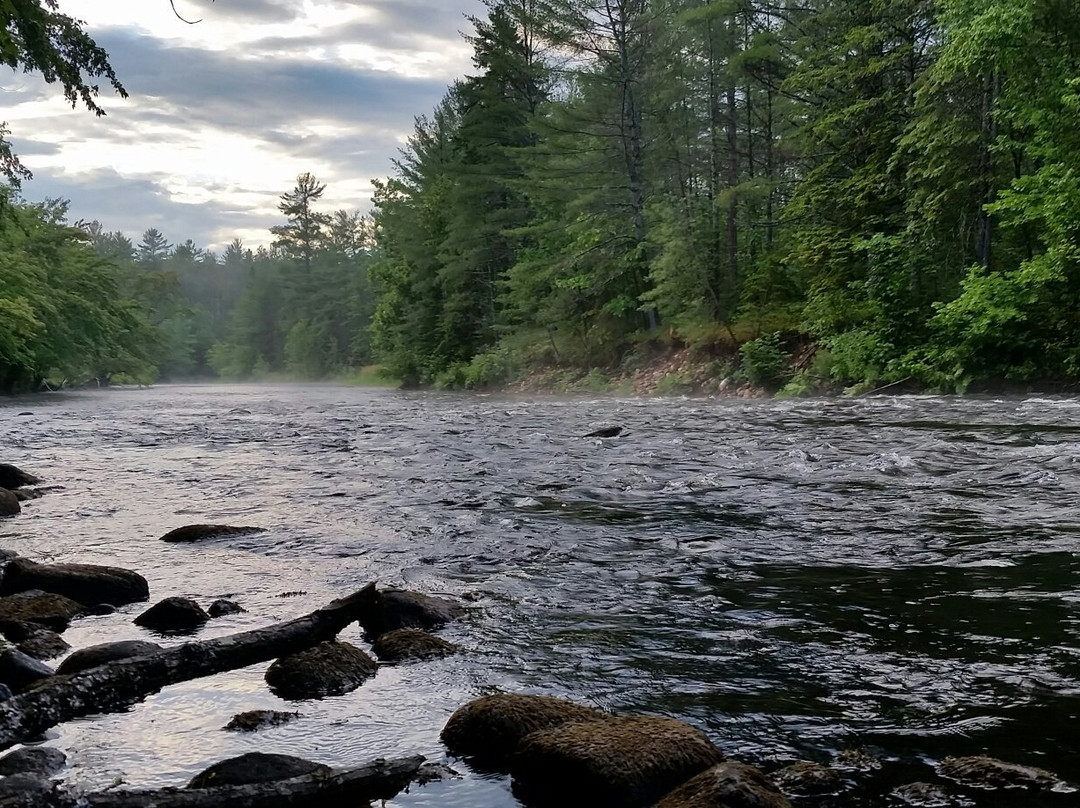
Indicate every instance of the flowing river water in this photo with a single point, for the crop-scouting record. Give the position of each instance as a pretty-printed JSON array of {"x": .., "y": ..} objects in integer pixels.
[{"x": 897, "y": 576}]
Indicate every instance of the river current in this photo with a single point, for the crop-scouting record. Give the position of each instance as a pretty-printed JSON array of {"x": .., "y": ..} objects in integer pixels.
[{"x": 898, "y": 576}]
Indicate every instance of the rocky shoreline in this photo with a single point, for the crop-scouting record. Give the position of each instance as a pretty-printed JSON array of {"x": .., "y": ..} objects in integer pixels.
[{"x": 557, "y": 752}]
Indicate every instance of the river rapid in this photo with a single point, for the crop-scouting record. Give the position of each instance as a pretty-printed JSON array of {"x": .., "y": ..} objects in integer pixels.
[{"x": 898, "y": 576}]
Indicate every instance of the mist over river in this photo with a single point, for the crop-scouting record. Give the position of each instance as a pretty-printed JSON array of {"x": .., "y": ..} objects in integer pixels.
[{"x": 899, "y": 576}]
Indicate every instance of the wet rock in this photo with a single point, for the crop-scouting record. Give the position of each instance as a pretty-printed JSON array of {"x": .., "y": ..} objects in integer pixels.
[
  {"x": 392, "y": 609},
  {"x": 43, "y": 761},
  {"x": 605, "y": 432},
  {"x": 33, "y": 639},
  {"x": 24, "y": 789},
  {"x": 85, "y": 583},
  {"x": 491, "y": 727},
  {"x": 255, "y": 767},
  {"x": 254, "y": 720},
  {"x": 18, "y": 670},
  {"x": 989, "y": 773},
  {"x": 94, "y": 655},
  {"x": 727, "y": 785},
  {"x": 9, "y": 503},
  {"x": 99, "y": 609},
  {"x": 173, "y": 615},
  {"x": 49, "y": 609},
  {"x": 432, "y": 772},
  {"x": 406, "y": 644},
  {"x": 5, "y": 693},
  {"x": 617, "y": 762},
  {"x": 923, "y": 795},
  {"x": 856, "y": 760},
  {"x": 193, "y": 533},
  {"x": 12, "y": 477},
  {"x": 223, "y": 607},
  {"x": 329, "y": 669},
  {"x": 27, "y": 494},
  {"x": 806, "y": 779}
]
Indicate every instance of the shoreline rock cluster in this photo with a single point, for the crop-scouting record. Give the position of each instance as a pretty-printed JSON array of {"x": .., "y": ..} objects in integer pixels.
[{"x": 559, "y": 754}]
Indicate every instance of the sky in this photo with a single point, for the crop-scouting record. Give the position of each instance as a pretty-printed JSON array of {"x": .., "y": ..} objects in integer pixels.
[{"x": 225, "y": 114}]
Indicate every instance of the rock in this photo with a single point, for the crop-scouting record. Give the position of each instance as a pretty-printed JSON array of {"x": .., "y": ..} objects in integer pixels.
[
  {"x": 94, "y": 655},
  {"x": 21, "y": 788},
  {"x": 727, "y": 785},
  {"x": 255, "y": 720},
  {"x": 178, "y": 615},
  {"x": 410, "y": 643},
  {"x": 99, "y": 609},
  {"x": 50, "y": 610},
  {"x": 923, "y": 795},
  {"x": 606, "y": 432},
  {"x": 9, "y": 503},
  {"x": 85, "y": 583},
  {"x": 5, "y": 693},
  {"x": 27, "y": 494},
  {"x": 617, "y": 762},
  {"x": 392, "y": 609},
  {"x": 806, "y": 779},
  {"x": 987, "y": 772},
  {"x": 193, "y": 533},
  {"x": 491, "y": 727},
  {"x": 33, "y": 639},
  {"x": 329, "y": 669},
  {"x": 12, "y": 477},
  {"x": 435, "y": 773},
  {"x": 222, "y": 607},
  {"x": 255, "y": 767},
  {"x": 40, "y": 760},
  {"x": 18, "y": 670}
]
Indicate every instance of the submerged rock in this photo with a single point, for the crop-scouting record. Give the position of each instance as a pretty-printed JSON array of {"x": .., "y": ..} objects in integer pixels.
[
  {"x": 254, "y": 720},
  {"x": 331, "y": 668},
  {"x": 193, "y": 533},
  {"x": 406, "y": 644},
  {"x": 173, "y": 615},
  {"x": 255, "y": 767},
  {"x": 391, "y": 609},
  {"x": 85, "y": 583},
  {"x": 491, "y": 727},
  {"x": 605, "y": 432},
  {"x": 923, "y": 795},
  {"x": 12, "y": 477},
  {"x": 9, "y": 503},
  {"x": 806, "y": 779},
  {"x": 617, "y": 762},
  {"x": 40, "y": 760},
  {"x": 50, "y": 610},
  {"x": 18, "y": 670},
  {"x": 34, "y": 639},
  {"x": 223, "y": 607},
  {"x": 986, "y": 772},
  {"x": 727, "y": 785},
  {"x": 94, "y": 655},
  {"x": 28, "y": 494}
]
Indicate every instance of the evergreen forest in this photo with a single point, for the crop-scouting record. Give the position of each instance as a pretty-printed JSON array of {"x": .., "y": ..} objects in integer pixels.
[{"x": 817, "y": 193}]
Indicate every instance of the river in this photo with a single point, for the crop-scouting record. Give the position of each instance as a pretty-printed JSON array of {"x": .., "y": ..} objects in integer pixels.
[{"x": 899, "y": 576}]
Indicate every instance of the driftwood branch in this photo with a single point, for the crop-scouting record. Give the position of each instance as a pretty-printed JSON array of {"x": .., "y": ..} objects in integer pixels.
[
  {"x": 115, "y": 686},
  {"x": 378, "y": 780}
]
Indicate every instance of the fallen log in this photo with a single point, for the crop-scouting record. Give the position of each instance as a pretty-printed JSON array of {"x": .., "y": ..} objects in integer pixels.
[
  {"x": 117, "y": 685},
  {"x": 379, "y": 780}
]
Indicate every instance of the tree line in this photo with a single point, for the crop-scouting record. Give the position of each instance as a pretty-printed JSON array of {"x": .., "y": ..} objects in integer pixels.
[{"x": 891, "y": 187}]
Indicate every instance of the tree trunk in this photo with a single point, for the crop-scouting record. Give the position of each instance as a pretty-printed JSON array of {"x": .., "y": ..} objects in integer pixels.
[{"x": 117, "y": 685}]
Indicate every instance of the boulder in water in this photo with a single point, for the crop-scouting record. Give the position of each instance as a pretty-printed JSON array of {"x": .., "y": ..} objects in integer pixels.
[
  {"x": 405, "y": 644},
  {"x": 255, "y": 767},
  {"x": 43, "y": 761},
  {"x": 331, "y": 668},
  {"x": 33, "y": 639},
  {"x": 605, "y": 432},
  {"x": 85, "y": 583},
  {"x": 491, "y": 727},
  {"x": 18, "y": 670},
  {"x": 9, "y": 503},
  {"x": 223, "y": 607},
  {"x": 95, "y": 655},
  {"x": 50, "y": 610},
  {"x": 12, "y": 477},
  {"x": 194, "y": 533},
  {"x": 923, "y": 795},
  {"x": 254, "y": 720},
  {"x": 391, "y": 609},
  {"x": 987, "y": 772},
  {"x": 806, "y": 779},
  {"x": 727, "y": 785},
  {"x": 618, "y": 762},
  {"x": 173, "y": 615}
]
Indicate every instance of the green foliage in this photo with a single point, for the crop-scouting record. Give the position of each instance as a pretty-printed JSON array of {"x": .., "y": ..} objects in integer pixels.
[{"x": 764, "y": 362}]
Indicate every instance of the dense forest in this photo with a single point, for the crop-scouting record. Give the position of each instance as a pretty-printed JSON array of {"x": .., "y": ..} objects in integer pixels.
[{"x": 887, "y": 190}]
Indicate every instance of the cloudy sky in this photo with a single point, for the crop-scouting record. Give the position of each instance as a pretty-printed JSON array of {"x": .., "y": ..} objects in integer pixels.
[{"x": 223, "y": 115}]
